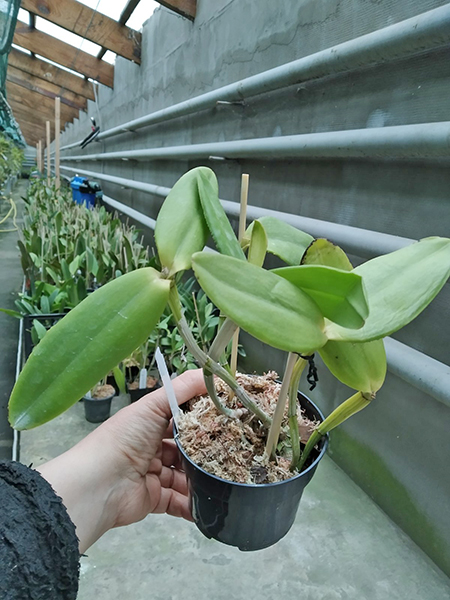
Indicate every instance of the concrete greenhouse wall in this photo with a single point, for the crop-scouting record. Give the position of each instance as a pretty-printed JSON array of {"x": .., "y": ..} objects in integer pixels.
[{"x": 396, "y": 449}]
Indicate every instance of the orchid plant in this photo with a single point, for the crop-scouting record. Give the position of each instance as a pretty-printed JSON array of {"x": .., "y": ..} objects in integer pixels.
[{"x": 316, "y": 303}]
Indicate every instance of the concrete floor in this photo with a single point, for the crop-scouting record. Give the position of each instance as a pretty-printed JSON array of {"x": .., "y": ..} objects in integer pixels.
[
  {"x": 341, "y": 547},
  {"x": 10, "y": 283}
]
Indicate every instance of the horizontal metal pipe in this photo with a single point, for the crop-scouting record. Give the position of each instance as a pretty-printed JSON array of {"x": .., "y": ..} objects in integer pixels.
[
  {"x": 149, "y": 188},
  {"x": 354, "y": 240},
  {"x": 401, "y": 141},
  {"x": 418, "y": 369},
  {"x": 361, "y": 242},
  {"x": 130, "y": 212},
  {"x": 422, "y": 32}
]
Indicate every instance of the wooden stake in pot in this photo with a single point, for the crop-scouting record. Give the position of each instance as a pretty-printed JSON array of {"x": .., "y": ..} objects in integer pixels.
[
  {"x": 48, "y": 152},
  {"x": 242, "y": 224},
  {"x": 57, "y": 128}
]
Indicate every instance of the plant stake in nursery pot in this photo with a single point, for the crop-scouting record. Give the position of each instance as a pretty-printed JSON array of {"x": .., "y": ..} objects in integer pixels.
[
  {"x": 97, "y": 407},
  {"x": 249, "y": 516}
]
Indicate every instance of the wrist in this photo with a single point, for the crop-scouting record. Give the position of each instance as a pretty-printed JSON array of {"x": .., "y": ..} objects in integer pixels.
[{"x": 84, "y": 477}]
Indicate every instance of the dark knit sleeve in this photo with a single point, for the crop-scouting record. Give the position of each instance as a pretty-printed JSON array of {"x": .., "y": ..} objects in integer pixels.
[{"x": 39, "y": 557}]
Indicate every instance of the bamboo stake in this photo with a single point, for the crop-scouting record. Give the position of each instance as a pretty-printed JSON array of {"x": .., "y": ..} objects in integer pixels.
[
  {"x": 242, "y": 224},
  {"x": 57, "y": 128},
  {"x": 48, "y": 152}
]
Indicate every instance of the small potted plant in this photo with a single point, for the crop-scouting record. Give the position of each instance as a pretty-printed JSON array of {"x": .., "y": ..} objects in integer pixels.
[
  {"x": 317, "y": 303},
  {"x": 140, "y": 381},
  {"x": 97, "y": 402}
]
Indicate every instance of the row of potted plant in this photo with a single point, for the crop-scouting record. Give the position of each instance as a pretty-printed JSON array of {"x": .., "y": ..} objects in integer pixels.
[{"x": 68, "y": 251}]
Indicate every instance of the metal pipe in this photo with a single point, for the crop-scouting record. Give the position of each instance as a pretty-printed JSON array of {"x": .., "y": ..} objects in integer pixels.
[
  {"x": 130, "y": 212},
  {"x": 400, "y": 141},
  {"x": 426, "y": 31},
  {"x": 419, "y": 370},
  {"x": 149, "y": 188},
  {"x": 362, "y": 242}
]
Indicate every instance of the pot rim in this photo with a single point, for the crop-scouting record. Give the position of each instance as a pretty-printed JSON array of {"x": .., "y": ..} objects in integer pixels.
[
  {"x": 326, "y": 439},
  {"x": 99, "y": 399}
]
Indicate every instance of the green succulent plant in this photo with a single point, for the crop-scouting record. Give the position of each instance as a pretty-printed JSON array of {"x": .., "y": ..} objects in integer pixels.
[{"x": 317, "y": 303}]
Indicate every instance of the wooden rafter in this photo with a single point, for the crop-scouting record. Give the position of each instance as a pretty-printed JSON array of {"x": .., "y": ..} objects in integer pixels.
[
  {"x": 30, "y": 121},
  {"x": 89, "y": 24},
  {"x": 185, "y": 8},
  {"x": 64, "y": 54},
  {"x": 126, "y": 14},
  {"x": 45, "y": 88},
  {"x": 128, "y": 11},
  {"x": 44, "y": 70},
  {"x": 36, "y": 103}
]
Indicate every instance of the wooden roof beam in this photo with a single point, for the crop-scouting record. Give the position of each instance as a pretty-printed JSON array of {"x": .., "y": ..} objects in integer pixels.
[
  {"x": 32, "y": 122},
  {"x": 45, "y": 88},
  {"x": 185, "y": 8},
  {"x": 50, "y": 73},
  {"x": 63, "y": 54},
  {"x": 37, "y": 103},
  {"x": 89, "y": 24}
]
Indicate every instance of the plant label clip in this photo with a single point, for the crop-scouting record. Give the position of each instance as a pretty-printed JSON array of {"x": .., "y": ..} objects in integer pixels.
[{"x": 167, "y": 383}]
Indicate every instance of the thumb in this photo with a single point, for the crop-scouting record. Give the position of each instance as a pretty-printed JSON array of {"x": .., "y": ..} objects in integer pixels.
[{"x": 186, "y": 386}]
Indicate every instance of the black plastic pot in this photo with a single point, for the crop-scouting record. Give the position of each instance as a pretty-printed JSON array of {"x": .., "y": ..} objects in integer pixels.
[
  {"x": 251, "y": 517},
  {"x": 97, "y": 410},
  {"x": 138, "y": 393}
]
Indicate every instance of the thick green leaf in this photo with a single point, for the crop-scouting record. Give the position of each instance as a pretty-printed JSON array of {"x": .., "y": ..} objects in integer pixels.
[
  {"x": 258, "y": 245},
  {"x": 84, "y": 346},
  {"x": 398, "y": 287},
  {"x": 40, "y": 329},
  {"x": 11, "y": 313},
  {"x": 65, "y": 270},
  {"x": 361, "y": 366},
  {"x": 181, "y": 228},
  {"x": 119, "y": 377},
  {"x": 218, "y": 223},
  {"x": 91, "y": 262},
  {"x": 324, "y": 252},
  {"x": 339, "y": 294},
  {"x": 285, "y": 241},
  {"x": 267, "y": 306}
]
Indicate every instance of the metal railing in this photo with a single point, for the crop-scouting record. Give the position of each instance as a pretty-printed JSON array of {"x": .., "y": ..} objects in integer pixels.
[{"x": 401, "y": 141}]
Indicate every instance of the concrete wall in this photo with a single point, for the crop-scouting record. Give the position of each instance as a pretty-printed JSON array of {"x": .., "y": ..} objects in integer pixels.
[{"x": 396, "y": 449}]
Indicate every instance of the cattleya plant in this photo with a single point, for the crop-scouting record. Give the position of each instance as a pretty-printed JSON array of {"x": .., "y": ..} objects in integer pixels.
[{"x": 318, "y": 303}]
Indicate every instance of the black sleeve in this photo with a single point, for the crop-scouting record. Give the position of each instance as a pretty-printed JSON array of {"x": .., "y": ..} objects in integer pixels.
[{"x": 39, "y": 557}]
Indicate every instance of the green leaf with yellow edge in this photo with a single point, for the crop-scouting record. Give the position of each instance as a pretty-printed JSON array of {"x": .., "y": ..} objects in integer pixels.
[
  {"x": 324, "y": 252},
  {"x": 361, "y": 366},
  {"x": 263, "y": 304},
  {"x": 339, "y": 294},
  {"x": 218, "y": 223},
  {"x": 258, "y": 245},
  {"x": 398, "y": 287},
  {"x": 87, "y": 344},
  {"x": 181, "y": 228},
  {"x": 283, "y": 240}
]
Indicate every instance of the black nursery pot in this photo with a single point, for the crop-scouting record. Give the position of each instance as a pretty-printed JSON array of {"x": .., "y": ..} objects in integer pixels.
[
  {"x": 136, "y": 395},
  {"x": 251, "y": 517},
  {"x": 97, "y": 410}
]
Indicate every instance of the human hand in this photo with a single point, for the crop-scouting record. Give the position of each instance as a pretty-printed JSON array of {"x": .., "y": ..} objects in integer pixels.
[{"x": 127, "y": 468}]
